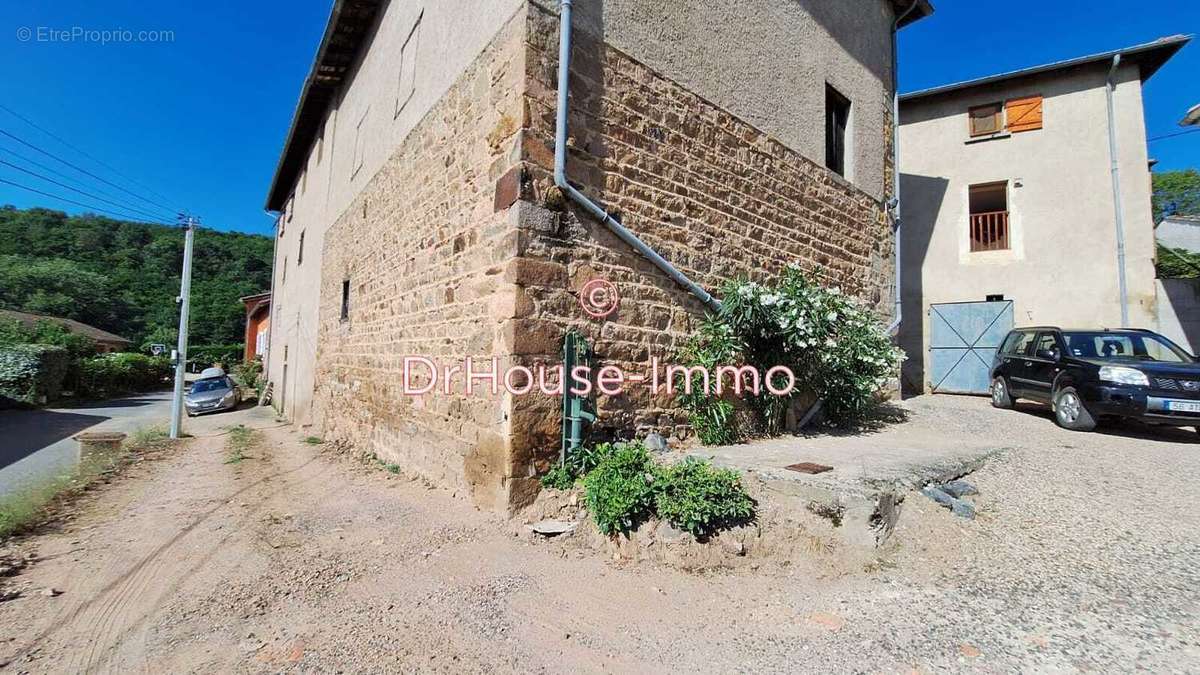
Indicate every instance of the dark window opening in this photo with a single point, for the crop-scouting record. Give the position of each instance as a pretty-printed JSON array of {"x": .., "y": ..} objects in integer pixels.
[
  {"x": 837, "y": 120},
  {"x": 346, "y": 300},
  {"x": 989, "y": 217},
  {"x": 995, "y": 297},
  {"x": 300, "y": 253}
]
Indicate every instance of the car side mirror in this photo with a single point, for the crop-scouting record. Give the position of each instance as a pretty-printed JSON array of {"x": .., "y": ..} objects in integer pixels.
[{"x": 1051, "y": 354}]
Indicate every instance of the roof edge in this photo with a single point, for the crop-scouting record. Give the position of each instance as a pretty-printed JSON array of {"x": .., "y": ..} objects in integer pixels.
[{"x": 1152, "y": 56}]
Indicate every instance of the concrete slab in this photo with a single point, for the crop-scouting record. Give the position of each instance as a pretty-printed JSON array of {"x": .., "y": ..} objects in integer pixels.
[{"x": 872, "y": 471}]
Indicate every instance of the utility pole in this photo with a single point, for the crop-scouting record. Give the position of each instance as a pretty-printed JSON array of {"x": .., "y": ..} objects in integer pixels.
[{"x": 189, "y": 227}]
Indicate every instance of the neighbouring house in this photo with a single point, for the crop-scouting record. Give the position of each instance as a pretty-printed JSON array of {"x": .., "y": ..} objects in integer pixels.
[
  {"x": 258, "y": 325},
  {"x": 1013, "y": 209},
  {"x": 1192, "y": 118},
  {"x": 1178, "y": 231},
  {"x": 105, "y": 341},
  {"x": 419, "y": 215}
]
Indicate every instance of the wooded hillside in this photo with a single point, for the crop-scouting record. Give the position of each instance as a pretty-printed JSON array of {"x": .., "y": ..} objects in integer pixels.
[{"x": 124, "y": 277}]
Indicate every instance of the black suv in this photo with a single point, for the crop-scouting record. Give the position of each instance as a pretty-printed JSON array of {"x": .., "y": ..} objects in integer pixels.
[{"x": 1089, "y": 374}]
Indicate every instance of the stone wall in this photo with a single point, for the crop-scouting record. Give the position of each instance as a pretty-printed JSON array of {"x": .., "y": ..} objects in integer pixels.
[
  {"x": 460, "y": 248},
  {"x": 712, "y": 194},
  {"x": 424, "y": 251}
]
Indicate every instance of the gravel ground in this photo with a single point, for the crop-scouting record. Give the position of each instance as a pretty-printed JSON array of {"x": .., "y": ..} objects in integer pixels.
[{"x": 1082, "y": 557}]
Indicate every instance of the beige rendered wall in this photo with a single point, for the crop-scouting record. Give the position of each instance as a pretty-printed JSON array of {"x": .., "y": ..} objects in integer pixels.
[
  {"x": 450, "y": 37},
  {"x": 767, "y": 63},
  {"x": 1062, "y": 265}
]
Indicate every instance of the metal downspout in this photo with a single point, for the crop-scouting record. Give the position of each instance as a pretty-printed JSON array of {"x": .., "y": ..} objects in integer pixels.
[
  {"x": 894, "y": 327},
  {"x": 1116, "y": 188},
  {"x": 560, "y": 170}
]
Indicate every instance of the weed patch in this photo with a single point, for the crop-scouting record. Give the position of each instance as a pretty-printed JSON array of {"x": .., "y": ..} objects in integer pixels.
[
  {"x": 241, "y": 439},
  {"x": 31, "y": 505}
]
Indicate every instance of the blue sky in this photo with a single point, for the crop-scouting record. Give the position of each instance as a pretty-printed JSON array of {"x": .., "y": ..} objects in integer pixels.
[{"x": 196, "y": 120}]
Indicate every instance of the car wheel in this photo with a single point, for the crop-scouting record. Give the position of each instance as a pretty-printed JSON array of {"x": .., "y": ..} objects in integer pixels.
[
  {"x": 1001, "y": 398},
  {"x": 1070, "y": 412}
]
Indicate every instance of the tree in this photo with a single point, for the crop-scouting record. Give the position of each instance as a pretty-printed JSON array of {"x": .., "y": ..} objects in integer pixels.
[
  {"x": 123, "y": 276},
  {"x": 1176, "y": 192}
]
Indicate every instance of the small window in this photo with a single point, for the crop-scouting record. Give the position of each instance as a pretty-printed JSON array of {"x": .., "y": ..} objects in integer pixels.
[
  {"x": 408, "y": 67},
  {"x": 345, "y": 300},
  {"x": 986, "y": 119},
  {"x": 837, "y": 120},
  {"x": 283, "y": 279},
  {"x": 359, "y": 143},
  {"x": 300, "y": 253},
  {"x": 989, "y": 217}
]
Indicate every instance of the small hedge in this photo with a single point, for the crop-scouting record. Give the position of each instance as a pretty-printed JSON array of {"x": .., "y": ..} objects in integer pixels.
[
  {"x": 122, "y": 372},
  {"x": 624, "y": 486},
  {"x": 31, "y": 374}
]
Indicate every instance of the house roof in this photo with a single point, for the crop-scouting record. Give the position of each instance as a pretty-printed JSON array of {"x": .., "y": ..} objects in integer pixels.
[
  {"x": 71, "y": 325},
  {"x": 1192, "y": 117},
  {"x": 350, "y": 26},
  {"x": 1149, "y": 56}
]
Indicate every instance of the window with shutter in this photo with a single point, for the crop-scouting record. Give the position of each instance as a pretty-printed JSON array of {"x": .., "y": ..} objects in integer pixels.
[
  {"x": 986, "y": 119},
  {"x": 1024, "y": 114}
]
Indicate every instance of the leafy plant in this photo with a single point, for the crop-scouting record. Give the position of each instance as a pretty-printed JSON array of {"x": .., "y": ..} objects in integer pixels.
[
  {"x": 1176, "y": 192},
  {"x": 559, "y": 477},
  {"x": 697, "y": 497},
  {"x": 31, "y": 374},
  {"x": 1176, "y": 263},
  {"x": 620, "y": 491},
  {"x": 835, "y": 347}
]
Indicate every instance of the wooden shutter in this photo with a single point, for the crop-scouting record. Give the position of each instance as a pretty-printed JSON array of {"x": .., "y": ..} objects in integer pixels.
[{"x": 1024, "y": 114}]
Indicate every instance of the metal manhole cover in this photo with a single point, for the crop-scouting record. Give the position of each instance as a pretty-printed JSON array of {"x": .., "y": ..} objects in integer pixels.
[{"x": 809, "y": 467}]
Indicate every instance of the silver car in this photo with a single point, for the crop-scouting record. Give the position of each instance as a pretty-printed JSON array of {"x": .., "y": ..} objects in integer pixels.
[{"x": 212, "y": 394}]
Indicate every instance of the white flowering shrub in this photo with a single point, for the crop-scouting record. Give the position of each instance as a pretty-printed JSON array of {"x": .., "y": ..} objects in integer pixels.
[{"x": 834, "y": 346}]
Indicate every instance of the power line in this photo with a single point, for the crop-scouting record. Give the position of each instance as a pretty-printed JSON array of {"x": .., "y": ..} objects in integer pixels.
[
  {"x": 60, "y": 139},
  {"x": 82, "y": 170},
  {"x": 52, "y": 170},
  {"x": 77, "y": 203},
  {"x": 1177, "y": 133},
  {"x": 125, "y": 207}
]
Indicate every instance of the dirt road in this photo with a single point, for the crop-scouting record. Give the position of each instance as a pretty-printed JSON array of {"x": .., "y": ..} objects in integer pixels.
[{"x": 296, "y": 558}]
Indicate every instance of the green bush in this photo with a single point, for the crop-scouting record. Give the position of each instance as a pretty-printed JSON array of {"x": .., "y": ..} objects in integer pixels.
[
  {"x": 123, "y": 372},
  {"x": 697, "y": 497},
  {"x": 206, "y": 356},
  {"x": 620, "y": 490},
  {"x": 833, "y": 345},
  {"x": 249, "y": 375},
  {"x": 559, "y": 477},
  {"x": 32, "y": 374}
]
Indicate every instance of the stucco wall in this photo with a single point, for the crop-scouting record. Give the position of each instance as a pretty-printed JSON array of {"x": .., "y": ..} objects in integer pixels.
[
  {"x": 1062, "y": 266},
  {"x": 767, "y": 63}
]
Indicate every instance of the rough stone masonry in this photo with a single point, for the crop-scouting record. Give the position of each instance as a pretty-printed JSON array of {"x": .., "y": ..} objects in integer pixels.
[{"x": 461, "y": 247}]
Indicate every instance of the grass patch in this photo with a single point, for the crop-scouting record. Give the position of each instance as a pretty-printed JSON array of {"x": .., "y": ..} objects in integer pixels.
[
  {"x": 314, "y": 440},
  {"x": 240, "y": 440},
  {"x": 31, "y": 505}
]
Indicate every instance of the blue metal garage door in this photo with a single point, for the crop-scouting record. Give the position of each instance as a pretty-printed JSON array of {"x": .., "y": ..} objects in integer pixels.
[{"x": 963, "y": 339}]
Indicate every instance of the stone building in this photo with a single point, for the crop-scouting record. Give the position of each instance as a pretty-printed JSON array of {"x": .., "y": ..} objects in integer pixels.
[{"x": 419, "y": 215}]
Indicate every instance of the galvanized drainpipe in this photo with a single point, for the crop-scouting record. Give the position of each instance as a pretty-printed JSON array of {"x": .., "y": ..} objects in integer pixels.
[
  {"x": 894, "y": 327},
  {"x": 560, "y": 170},
  {"x": 1116, "y": 188}
]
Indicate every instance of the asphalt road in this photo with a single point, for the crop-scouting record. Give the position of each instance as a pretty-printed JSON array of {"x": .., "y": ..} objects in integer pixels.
[{"x": 36, "y": 444}]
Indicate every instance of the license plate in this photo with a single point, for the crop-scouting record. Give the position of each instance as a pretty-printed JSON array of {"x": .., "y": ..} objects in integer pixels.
[{"x": 1183, "y": 406}]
